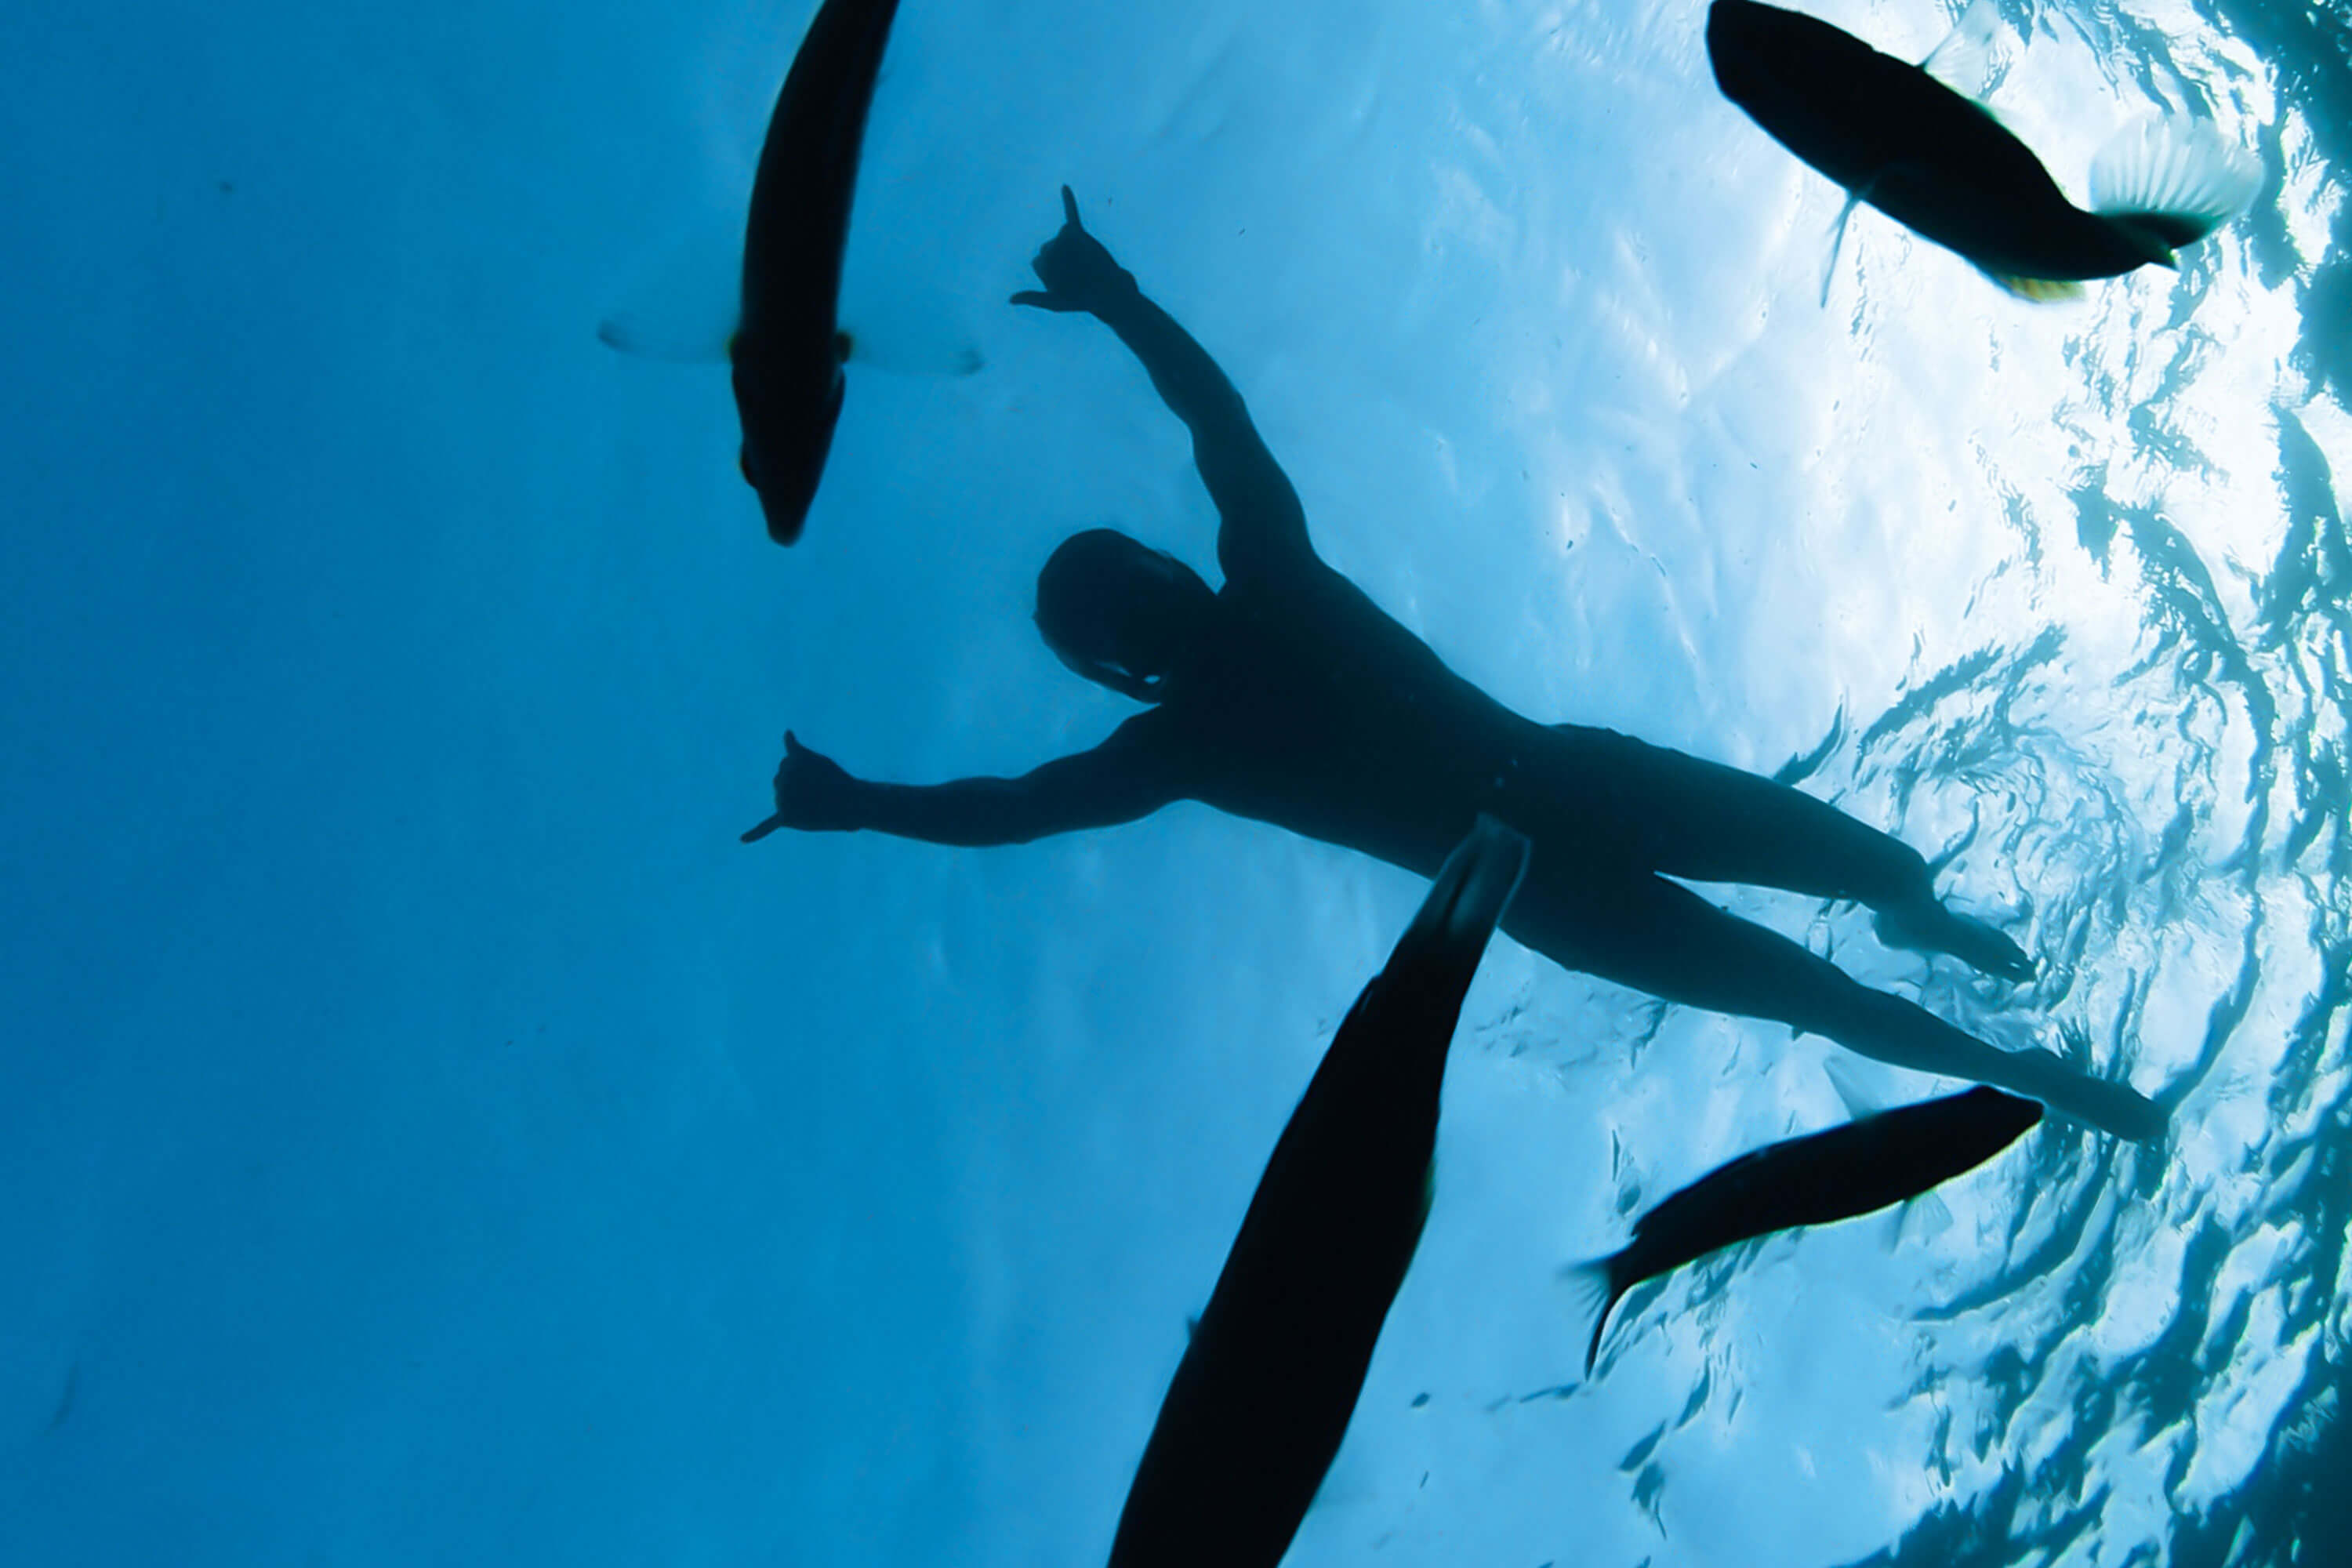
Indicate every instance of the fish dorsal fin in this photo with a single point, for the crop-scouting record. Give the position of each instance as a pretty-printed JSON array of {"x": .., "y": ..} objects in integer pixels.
[
  {"x": 2039, "y": 290},
  {"x": 1963, "y": 61},
  {"x": 2175, "y": 178}
]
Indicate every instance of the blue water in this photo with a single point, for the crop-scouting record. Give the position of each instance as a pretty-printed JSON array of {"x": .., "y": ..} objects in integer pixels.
[{"x": 426, "y": 1135}]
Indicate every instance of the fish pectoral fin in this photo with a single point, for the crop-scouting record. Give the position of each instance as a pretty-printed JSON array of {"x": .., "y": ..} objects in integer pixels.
[
  {"x": 1597, "y": 1292},
  {"x": 2040, "y": 290},
  {"x": 684, "y": 299},
  {"x": 2172, "y": 180},
  {"x": 1924, "y": 1217},
  {"x": 641, "y": 337},
  {"x": 910, "y": 349},
  {"x": 1858, "y": 1097},
  {"x": 1963, "y": 61},
  {"x": 1837, "y": 238},
  {"x": 909, "y": 325}
]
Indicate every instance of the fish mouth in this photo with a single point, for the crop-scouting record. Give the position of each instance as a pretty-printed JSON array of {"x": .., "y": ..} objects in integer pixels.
[{"x": 1467, "y": 900}]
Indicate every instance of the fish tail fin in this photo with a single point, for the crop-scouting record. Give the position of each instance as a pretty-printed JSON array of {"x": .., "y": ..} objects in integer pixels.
[
  {"x": 1598, "y": 1286},
  {"x": 2169, "y": 182}
]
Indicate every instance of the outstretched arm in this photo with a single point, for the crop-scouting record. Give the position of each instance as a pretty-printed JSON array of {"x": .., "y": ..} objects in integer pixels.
[
  {"x": 1118, "y": 780},
  {"x": 1264, "y": 525}
]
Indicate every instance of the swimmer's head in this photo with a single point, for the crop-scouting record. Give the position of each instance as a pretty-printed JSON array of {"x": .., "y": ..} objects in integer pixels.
[{"x": 1119, "y": 612}]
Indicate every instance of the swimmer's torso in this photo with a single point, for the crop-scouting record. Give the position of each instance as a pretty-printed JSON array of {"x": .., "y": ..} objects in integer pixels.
[{"x": 1314, "y": 711}]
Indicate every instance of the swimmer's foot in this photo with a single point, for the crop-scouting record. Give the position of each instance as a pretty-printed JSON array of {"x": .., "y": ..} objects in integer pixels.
[
  {"x": 2115, "y": 1109},
  {"x": 1935, "y": 929}
]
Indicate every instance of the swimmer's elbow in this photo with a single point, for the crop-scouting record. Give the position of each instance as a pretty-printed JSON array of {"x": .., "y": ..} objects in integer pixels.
[
  {"x": 1028, "y": 827},
  {"x": 1103, "y": 788}
]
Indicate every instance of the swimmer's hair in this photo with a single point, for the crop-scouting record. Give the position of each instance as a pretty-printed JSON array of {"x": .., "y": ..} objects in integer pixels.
[{"x": 1086, "y": 590}]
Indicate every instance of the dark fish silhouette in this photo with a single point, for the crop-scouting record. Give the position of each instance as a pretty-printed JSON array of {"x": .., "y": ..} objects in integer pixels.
[
  {"x": 1937, "y": 160},
  {"x": 1837, "y": 1174},
  {"x": 783, "y": 339},
  {"x": 1263, "y": 1396},
  {"x": 787, "y": 353}
]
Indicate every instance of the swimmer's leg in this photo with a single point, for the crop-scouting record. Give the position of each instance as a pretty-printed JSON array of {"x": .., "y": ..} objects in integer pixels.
[
  {"x": 1906, "y": 1035},
  {"x": 1660, "y": 937},
  {"x": 1710, "y": 823}
]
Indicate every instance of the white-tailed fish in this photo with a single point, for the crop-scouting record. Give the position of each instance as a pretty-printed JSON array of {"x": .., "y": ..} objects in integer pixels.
[{"x": 1937, "y": 160}]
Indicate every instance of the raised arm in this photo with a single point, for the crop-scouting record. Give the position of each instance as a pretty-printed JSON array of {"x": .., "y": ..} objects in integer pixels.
[
  {"x": 1263, "y": 527},
  {"x": 1120, "y": 780}
]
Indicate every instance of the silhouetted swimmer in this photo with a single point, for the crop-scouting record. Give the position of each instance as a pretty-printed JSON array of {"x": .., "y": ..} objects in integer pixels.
[
  {"x": 1846, "y": 1172},
  {"x": 1935, "y": 161},
  {"x": 1263, "y": 1395},
  {"x": 1289, "y": 697}
]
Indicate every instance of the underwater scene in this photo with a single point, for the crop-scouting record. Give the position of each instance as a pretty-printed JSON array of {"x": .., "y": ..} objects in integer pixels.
[{"x": 933, "y": 783}]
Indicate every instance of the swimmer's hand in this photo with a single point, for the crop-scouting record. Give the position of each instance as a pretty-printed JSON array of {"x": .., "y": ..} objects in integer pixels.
[
  {"x": 1078, "y": 272},
  {"x": 812, "y": 793}
]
